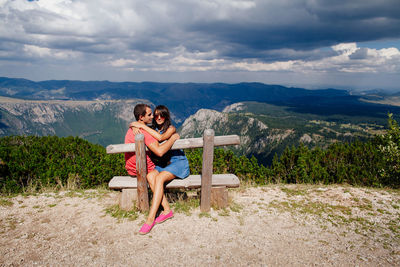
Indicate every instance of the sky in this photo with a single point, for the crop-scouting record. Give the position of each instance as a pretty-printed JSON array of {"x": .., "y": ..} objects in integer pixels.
[{"x": 302, "y": 43}]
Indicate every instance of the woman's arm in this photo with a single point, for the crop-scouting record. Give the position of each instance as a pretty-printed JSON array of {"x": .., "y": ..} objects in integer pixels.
[
  {"x": 160, "y": 137},
  {"x": 161, "y": 149}
]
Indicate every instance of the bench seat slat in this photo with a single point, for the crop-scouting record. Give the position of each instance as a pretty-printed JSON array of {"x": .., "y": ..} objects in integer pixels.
[{"x": 193, "y": 181}]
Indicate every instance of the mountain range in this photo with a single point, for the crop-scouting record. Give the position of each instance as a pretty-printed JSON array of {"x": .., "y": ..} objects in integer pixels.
[
  {"x": 184, "y": 99},
  {"x": 267, "y": 117}
]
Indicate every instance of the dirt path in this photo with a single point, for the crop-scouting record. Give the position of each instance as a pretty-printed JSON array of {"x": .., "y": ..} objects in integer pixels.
[{"x": 276, "y": 225}]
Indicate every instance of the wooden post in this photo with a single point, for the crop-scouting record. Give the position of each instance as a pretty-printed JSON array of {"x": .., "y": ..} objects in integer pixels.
[
  {"x": 127, "y": 199},
  {"x": 219, "y": 196},
  {"x": 207, "y": 170},
  {"x": 141, "y": 172}
]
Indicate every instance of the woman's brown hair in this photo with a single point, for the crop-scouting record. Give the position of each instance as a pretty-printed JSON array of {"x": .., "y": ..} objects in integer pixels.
[{"x": 163, "y": 112}]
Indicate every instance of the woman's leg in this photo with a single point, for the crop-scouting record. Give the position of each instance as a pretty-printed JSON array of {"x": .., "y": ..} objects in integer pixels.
[
  {"x": 158, "y": 194},
  {"x": 151, "y": 178}
]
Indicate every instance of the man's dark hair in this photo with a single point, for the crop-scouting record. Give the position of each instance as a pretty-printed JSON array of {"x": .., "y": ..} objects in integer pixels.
[{"x": 140, "y": 110}]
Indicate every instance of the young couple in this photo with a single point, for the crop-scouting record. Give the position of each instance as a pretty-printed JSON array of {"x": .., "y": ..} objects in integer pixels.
[{"x": 163, "y": 164}]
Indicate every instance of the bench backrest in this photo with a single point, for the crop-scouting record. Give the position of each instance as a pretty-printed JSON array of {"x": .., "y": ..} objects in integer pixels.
[{"x": 223, "y": 140}]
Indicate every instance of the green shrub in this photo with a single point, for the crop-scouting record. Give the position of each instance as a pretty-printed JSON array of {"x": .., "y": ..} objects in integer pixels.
[
  {"x": 390, "y": 148},
  {"x": 50, "y": 161},
  {"x": 375, "y": 162},
  {"x": 225, "y": 161}
]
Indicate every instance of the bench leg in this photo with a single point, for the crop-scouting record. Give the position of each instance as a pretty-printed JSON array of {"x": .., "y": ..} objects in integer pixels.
[
  {"x": 219, "y": 196},
  {"x": 127, "y": 199}
]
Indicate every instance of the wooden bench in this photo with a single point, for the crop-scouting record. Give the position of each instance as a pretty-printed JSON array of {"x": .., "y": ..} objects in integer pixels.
[{"x": 213, "y": 186}]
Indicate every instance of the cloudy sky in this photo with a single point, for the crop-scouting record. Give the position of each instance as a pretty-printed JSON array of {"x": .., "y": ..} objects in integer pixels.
[{"x": 310, "y": 43}]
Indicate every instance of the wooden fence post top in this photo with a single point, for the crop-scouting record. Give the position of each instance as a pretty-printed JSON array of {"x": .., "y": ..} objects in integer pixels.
[{"x": 208, "y": 132}]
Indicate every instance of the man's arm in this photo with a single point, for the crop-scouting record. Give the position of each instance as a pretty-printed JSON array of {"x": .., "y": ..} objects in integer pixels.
[{"x": 161, "y": 149}]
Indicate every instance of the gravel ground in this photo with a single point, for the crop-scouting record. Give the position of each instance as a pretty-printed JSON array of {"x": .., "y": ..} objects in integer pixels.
[{"x": 275, "y": 225}]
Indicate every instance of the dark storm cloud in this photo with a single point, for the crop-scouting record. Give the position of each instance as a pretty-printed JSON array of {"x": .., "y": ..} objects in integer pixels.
[
  {"x": 303, "y": 26},
  {"x": 235, "y": 29}
]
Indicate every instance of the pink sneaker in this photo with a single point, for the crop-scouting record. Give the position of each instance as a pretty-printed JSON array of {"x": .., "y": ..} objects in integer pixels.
[
  {"x": 163, "y": 218},
  {"x": 146, "y": 228}
]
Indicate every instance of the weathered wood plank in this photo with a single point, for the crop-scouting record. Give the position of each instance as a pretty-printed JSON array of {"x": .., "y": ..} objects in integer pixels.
[
  {"x": 207, "y": 168},
  {"x": 193, "y": 181},
  {"x": 223, "y": 140},
  {"x": 141, "y": 170}
]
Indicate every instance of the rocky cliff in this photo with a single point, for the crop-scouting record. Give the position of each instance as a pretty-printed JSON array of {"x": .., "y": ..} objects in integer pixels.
[
  {"x": 256, "y": 138},
  {"x": 99, "y": 121}
]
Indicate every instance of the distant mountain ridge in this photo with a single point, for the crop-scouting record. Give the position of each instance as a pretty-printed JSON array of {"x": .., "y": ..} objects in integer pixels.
[{"x": 184, "y": 99}]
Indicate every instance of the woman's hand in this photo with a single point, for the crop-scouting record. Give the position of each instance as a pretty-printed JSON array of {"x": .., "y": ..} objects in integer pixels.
[
  {"x": 175, "y": 137},
  {"x": 136, "y": 125},
  {"x": 136, "y": 130}
]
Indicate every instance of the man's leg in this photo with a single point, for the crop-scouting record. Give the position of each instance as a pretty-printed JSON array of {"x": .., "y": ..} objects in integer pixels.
[{"x": 158, "y": 194}]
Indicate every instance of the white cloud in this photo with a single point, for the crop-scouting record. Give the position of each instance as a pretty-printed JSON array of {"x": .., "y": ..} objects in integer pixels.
[
  {"x": 37, "y": 51},
  {"x": 44, "y": 52},
  {"x": 374, "y": 60},
  {"x": 345, "y": 49},
  {"x": 123, "y": 62},
  {"x": 386, "y": 60}
]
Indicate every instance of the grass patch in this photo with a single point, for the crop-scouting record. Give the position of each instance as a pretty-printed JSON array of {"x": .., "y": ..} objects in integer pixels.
[
  {"x": 235, "y": 207},
  {"x": 98, "y": 193},
  {"x": 224, "y": 212},
  {"x": 119, "y": 214},
  {"x": 186, "y": 206},
  {"x": 6, "y": 203},
  {"x": 294, "y": 192},
  {"x": 9, "y": 223},
  {"x": 335, "y": 214},
  {"x": 241, "y": 220},
  {"x": 381, "y": 211},
  {"x": 394, "y": 226},
  {"x": 204, "y": 215}
]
